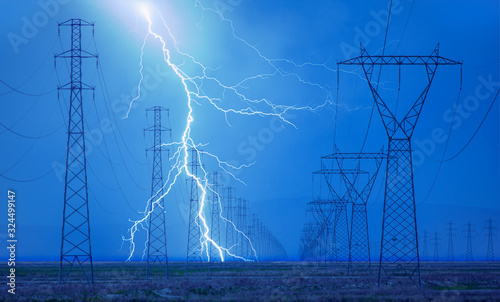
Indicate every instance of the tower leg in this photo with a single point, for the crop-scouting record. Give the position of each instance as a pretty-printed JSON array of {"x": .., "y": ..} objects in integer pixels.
[
  {"x": 399, "y": 248},
  {"x": 194, "y": 232},
  {"x": 215, "y": 226},
  {"x": 341, "y": 232},
  {"x": 359, "y": 246},
  {"x": 230, "y": 233}
]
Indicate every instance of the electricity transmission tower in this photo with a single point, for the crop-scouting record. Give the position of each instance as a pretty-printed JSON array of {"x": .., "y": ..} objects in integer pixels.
[
  {"x": 157, "y": 239},
  {"x": 256, "y": 237},
  {"x": 450, "y": 231},
  {"x": 334, "y": 247},
  {"x": 308, "y": 237},
  {"x": 359, "y": 240},
  {"x": 436, "y": 247},
  {"x": 252, "y": 234},
  {"x": 75, "y": 244},
  {"x": 399, "y": 252},
  {"x": 490, "y": 254},
  {"x": 246, "y": 248},
  {"x": 194, "y": 233},
  {"x": 469, "y": 230},
  {"x": 241, "y": 222},
  {"x": 230, "y": 208},
  {"x": 322, "y": 212},
  {"x": 341, "y": 231},
  {"x": 308, "y": 240},
  {"x": 216, "y": 210}
]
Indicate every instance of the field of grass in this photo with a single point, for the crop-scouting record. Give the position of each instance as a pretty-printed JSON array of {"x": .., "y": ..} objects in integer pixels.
[{"x": 265, "y": 281}]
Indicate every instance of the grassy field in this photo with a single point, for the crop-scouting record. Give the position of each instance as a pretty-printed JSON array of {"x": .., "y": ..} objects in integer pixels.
[{"x": 269, "y": 281}]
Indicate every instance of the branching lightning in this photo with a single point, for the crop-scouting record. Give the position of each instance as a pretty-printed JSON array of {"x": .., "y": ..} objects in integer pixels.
[{"x": 195, "y": 94}]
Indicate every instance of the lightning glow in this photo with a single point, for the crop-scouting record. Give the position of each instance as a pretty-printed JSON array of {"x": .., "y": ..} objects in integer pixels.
[{"x": 195, "y": 94}]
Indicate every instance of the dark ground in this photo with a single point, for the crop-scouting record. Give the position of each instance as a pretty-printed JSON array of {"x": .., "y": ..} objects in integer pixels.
[{"x": 265, "y": 281}]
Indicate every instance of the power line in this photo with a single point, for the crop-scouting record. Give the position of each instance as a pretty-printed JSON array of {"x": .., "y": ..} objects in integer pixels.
[
  {"x": 99, "y": 203},
  {"x": 464, "y": 147},
  {"x": 119, "y": 151},
  {"x": 30, "y": 137},
  {"x": 380, "y": 72},
  {"x": 24, "y": 93},
  {"x": 27, "y": 180},
  {"x": 32, "y": 104},
  {"x": 34, "y": 72},
  {"x": 406, "y": 24},
  {"x": 445, "y": 147},
  {"x": 475, "y": 132},
  {"x": 105, "y": 86},
  {"x": 31, "y": 147}
]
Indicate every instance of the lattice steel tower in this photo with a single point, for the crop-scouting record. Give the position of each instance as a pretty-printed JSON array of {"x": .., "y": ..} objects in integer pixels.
[
  {"x": 216, "y": 211},
  {"x": 230, "y": 211},
  {"x": 194, "y": 232},
  {"x": 243, "y": 246},
  {"x": 257, "y": 241},
  {"x": 399, "y": 248},
  {"x": 322, "y": 239},
  {"x": 359, "y": 239},
  {"x": 450, "y": 230},
  {"x": 333, "y": 236},
  {"x": 469, "y": 230},
  {"x": 436, "y": 246},
  {"x": 252, "y": 234},
  {"x": 157, "y": 239},
  {"x": 246, "y": 248},
  {"x": 75, "y": 244},
  {"x": 490, "y": 254}
]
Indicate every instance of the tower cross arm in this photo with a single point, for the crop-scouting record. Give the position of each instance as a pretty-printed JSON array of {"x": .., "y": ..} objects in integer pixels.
[
  {"x": 69, "y": 54},
  {"x": 80, "y": 22},
  {"x": 68, "y": 86},
  {"x": 358, "y": 155},
  {"x": 157, "y": 128},
  {"x": 341, "y": 171},
  {"x": 399, "y": 60}
]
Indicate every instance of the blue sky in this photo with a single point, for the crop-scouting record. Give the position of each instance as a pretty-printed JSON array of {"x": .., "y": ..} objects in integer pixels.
[{"x": 278, "y": 184}]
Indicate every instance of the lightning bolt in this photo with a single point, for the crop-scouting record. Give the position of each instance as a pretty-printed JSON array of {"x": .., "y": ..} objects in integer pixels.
[{"x": 192, "y": 85}]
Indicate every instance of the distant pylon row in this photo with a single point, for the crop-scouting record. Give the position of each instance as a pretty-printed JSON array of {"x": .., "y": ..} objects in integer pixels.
[
  {"x": 246, "y": 237},
  {"x": 327, "y": 236},
  {"x": 469, "y": 231},
  {"x": 399, "y": 253}
]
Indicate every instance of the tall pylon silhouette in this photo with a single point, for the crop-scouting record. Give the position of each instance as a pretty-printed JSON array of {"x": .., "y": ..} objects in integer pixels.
[
  {"x": 230, "y": 206},
  {"x": 490, "y": 253},
  {"x": 450, "y": 230},
  {"x": 75, "y": 244},
  {"x": 216, "y": 212},
  {"x": 436, "y": 246},
  {"x": 399, "y": 251},
  {"x": 157, "y": 239},
  {"x": 194, "y": 246},
  {"x": 469, "y": 230},
  {"x": 358, "y": 239}
]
